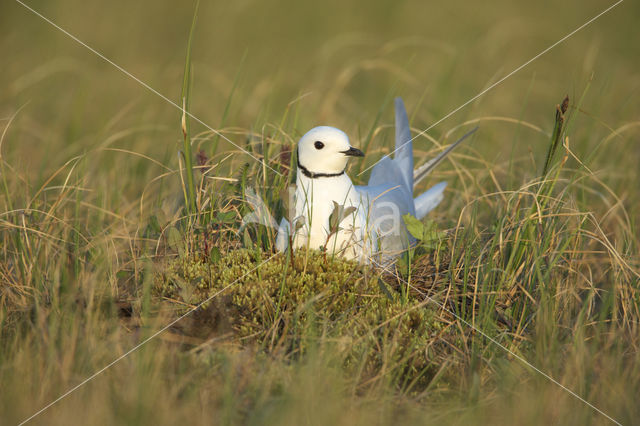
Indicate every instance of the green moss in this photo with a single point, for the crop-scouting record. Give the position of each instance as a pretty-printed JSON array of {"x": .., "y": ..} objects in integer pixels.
[{"x": 286, "y": 307}]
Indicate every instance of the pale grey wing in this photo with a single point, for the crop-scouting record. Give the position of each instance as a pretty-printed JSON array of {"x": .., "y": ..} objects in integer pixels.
[
  {"x": 395, "y": 194},
  {"x": 429, "y": 199},
  {"x": 422, "y": 171},
  {"x": 386, "y": 172},
  {"x": 403, "y": 156},
  {"x": 386, "y": 206}
]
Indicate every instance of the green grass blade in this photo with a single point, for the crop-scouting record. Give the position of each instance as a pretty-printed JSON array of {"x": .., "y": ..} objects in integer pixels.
[{"x": 186, "y": 127}]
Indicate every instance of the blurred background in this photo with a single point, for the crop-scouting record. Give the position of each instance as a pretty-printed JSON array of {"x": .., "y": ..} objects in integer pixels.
[
  {"x": 337, "y": 61},
  {"x": 89, "y": 158}
]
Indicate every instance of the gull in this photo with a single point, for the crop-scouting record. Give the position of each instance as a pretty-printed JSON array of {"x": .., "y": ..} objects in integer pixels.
[{"x": 358, "y": 222}]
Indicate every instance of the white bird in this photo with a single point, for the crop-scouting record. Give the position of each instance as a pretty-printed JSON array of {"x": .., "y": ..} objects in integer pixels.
[{"x": 358, "y": 222}]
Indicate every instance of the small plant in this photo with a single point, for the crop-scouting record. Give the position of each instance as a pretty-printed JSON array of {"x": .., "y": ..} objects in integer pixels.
[
  {"x": 425, "y": 232},
  {"x": 338, "y": 214},
  {"x": 187, "y": 156},
  {"x": 556, "y": 136}
]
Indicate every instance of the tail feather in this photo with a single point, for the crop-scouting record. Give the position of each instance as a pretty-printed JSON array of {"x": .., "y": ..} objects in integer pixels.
[
  {"x": 422, "y": 171},
  {"x": 429, "y": 199},
  {"x": 404, "y": 147}
]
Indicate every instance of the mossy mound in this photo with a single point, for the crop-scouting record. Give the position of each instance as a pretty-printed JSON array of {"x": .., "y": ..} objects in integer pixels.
[{"x": 284, "y": 306}]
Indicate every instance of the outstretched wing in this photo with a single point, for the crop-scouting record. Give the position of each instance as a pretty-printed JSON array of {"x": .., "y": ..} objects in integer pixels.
[
  {"x": 404, "y": 145},
  {"x": 422, "y": 171},
  {"x": 399, "y": 170}
]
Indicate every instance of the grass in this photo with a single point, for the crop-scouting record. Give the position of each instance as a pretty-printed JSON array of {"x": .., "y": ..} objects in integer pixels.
[{"x": 106, "y": 236}]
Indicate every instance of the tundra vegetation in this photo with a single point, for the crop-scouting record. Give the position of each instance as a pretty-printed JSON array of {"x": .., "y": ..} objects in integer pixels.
[{"x": 120, "y": 215}]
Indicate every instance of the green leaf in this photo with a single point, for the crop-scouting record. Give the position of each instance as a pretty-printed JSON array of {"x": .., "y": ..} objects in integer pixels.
[
  {"x": 348, "y": 211},
  {"x": 186, "y": 290},
  {"x": 225, "y": 217},
  {"x": 154, "y": 224},
  {"x": 414, "y": 226},
  {"x": 384, "y": 289},
  {"x": 174, "y": 239},
  {"x": 246, "y": 238},
  {"x": 214, "y": 255},
  {"x": 402, "y": 264},
  {"x": 298, "y": 223},
  {"x": 335, "y": 217},
  {"x": 432, "y": 236},
  {"x": 338, "y": 214}
]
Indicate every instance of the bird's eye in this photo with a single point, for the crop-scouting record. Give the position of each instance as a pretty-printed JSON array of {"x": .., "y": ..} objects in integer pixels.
[{"x": 318, "y": 145}]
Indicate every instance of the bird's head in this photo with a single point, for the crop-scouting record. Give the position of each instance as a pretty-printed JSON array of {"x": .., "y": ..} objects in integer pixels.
[{"x": 324, "y": 151}]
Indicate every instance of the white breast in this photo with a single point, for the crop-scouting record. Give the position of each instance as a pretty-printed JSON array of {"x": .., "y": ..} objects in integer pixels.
[{"x": 315, "y": 203}]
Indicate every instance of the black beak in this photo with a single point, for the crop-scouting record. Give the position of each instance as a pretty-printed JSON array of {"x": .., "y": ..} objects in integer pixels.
[{"x": 353, "y": 152}]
